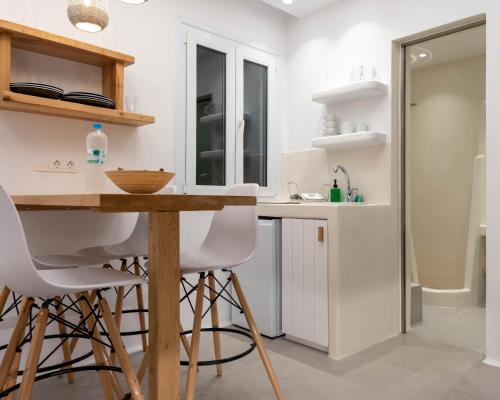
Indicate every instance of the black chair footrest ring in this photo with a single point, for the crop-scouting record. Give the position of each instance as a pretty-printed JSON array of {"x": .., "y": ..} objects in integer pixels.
[
  {"x": 61, "y": 365},
  {"x": 127, "y": 333},
  {"x": 226, "y": 360},
  {"x": 131, "y": 333},
  {"x": 52, "y": 374}
]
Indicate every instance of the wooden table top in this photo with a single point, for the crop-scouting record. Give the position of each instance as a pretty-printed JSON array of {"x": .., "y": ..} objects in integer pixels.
[{"x": 129, "y": 202}]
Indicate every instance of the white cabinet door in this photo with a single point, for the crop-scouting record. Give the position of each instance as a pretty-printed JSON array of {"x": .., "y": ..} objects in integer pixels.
[{"x": 305, "y": 280}]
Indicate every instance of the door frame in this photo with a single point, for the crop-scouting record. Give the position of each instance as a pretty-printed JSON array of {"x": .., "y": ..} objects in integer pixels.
[{"x": 399, "y": 103}]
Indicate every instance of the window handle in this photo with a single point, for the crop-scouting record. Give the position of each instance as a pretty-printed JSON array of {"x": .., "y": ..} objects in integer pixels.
[{"x": 241, "y": 127}]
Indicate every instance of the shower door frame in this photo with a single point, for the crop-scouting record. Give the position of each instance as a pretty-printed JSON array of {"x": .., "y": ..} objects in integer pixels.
[{"x": 399, "y": 145}]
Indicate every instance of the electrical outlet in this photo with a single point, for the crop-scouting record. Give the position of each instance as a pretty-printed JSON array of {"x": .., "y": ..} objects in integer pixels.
[
  {"x": 70, "y": 166},
  {"x": 56, "y": 165}
]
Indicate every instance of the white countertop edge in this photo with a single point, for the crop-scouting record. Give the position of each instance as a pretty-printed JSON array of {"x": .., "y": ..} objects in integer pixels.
[{"x": 317, "y": 204}]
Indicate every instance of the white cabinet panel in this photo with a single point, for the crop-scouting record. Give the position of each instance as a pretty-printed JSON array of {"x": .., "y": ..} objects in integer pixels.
[
  {"x": 287, "y": 274},
  {"x": 298, "y": 277},
  {"x": 321, "y": 286},
  {"x": 308, "y": 297},
  {"x": 305, "y": 280}
]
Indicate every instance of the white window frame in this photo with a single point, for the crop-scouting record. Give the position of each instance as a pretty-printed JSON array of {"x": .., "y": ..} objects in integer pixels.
[
  {"x": 236, "y": 53},
  {"x": 246, "y": 53},
  {"x": 197, "y": 38}
]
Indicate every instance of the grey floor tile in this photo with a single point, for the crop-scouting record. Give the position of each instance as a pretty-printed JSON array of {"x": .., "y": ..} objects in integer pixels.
[
  {"x": 463, "y": 327},
  {"x": 420, "y": 388},
  {"x": 480, "y": 379},
  {"x": 455, "y": 394},
  {"x": 378, "y": 377},
  {"x": 323, "y": 385},
  {"x": 436, "y": 362},
  {"x": 407, "y": 367}
]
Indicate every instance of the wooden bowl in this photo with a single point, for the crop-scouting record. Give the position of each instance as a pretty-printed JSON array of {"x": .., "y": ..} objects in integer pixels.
[{"x": 140, "y": 182}]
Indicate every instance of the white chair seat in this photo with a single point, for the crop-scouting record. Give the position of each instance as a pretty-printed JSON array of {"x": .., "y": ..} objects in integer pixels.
[
  {"x": 76, "y": 280},
  {"x": 202, "y": 261},
  {"x": 113, "y": 252},
  {"x": 63, "y": 261}
]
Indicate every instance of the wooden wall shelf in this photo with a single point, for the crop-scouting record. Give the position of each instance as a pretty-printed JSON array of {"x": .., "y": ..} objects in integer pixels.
[
  {"x": 35, "y": 40},
  {"x": 58, "y": 108},
  {"x": 112, "y": 63}
]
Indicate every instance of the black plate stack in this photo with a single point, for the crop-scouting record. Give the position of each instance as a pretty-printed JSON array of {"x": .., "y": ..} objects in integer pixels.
[
  {"x": 37, "y": 89},
  {"x": 90, "y": 99}
]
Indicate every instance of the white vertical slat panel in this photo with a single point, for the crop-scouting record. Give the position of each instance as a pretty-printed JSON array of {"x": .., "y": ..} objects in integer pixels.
[
  {"x": 298, "y": 278},
  {"x": 287, "y": 276},
  {"x": 321, "y": 286},
  {"x": 309, "y": 297}
]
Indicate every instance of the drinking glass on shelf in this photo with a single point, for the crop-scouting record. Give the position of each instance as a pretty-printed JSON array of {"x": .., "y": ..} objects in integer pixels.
[
  {"x": 361, "y": 126},
  {"x": 347, "y": 127},
  {"x": 357, "y": 73},
  {"x": 131, "y": 103},
  {"x": 372, "y": 73}
]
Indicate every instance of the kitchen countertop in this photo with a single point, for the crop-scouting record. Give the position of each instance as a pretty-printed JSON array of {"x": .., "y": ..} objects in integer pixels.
[
  {"x": 321, "y": 210},
  {"x": 364, "y": 284}
]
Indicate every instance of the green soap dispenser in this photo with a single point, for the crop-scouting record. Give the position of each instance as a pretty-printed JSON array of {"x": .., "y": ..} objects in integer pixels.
[{"x": 335, "y": 193}]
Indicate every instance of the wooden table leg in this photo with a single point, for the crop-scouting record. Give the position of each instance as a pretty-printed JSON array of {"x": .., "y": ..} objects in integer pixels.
[{"x": 164, "y": 278}]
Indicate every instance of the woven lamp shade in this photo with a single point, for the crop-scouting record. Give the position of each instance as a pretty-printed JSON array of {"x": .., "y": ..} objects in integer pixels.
[{"x": 89, "y": 15}]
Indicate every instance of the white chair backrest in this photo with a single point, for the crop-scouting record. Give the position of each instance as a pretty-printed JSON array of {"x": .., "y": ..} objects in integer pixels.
[
  {"x": 137, "y": 243},
  {"x": 233, "y": 231},
  {"x": 17, "y": 271}
]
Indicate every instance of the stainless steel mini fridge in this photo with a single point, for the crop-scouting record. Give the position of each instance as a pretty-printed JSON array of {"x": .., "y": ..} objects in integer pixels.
[{"x": 261, "y": 281}]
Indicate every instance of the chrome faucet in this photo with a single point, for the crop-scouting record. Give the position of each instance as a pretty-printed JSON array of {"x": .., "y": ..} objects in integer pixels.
[{"x": 351, "y": 192}]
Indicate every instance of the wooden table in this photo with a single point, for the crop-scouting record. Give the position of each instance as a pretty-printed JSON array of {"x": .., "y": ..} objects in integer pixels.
[{"x": 164, "y": 275}]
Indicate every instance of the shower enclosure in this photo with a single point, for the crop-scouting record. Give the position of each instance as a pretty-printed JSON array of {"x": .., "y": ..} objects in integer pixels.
[{"x": 445, "y": 168}]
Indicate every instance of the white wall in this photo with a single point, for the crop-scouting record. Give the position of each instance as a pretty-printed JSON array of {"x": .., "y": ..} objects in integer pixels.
[
  {"x": 323, "y": 47},
  {"x": 326, "y": 44},
  {"x": 152, "y": 34}
]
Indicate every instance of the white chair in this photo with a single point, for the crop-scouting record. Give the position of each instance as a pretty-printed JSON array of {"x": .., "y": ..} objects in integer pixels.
[
  {"x": 135, "y": 246},
  {"x": 19, "y": 273},
  {"x": 230, "y": 242}
]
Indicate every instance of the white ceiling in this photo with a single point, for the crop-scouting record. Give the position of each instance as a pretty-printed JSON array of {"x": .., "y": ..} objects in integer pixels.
[
  {"x": 457, "y": 46},
  {"x": 300, "y": 8}
]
